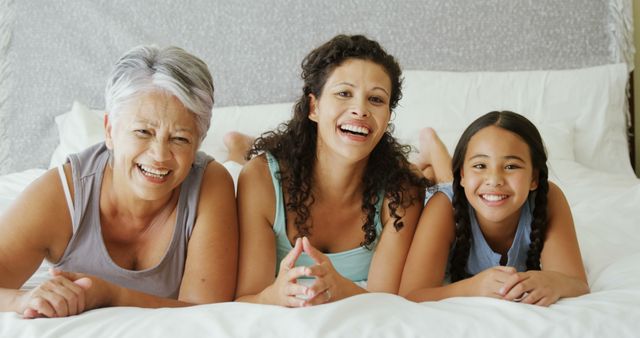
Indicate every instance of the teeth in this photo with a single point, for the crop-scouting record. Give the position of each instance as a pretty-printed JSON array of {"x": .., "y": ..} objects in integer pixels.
[
  {"x": 159, "y": 173},
  {"x": 494, "y": 198},
  {"x": 355, "y": 129}
]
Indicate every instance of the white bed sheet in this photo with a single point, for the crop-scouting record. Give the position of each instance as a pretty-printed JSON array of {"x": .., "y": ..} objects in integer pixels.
[{"x": 605, "y": 209}]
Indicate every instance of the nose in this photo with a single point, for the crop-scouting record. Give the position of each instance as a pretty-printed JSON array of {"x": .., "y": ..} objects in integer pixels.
[
  {"x": 360, "y": 108},
  {"x": 493, "y": 178},
  {"x": 160, "y": 151}
]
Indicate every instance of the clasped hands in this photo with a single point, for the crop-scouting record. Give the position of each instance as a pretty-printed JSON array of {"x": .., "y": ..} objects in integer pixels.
[
  {"x": 286, "y": 290},
  {"x": 504, "y": 282}
]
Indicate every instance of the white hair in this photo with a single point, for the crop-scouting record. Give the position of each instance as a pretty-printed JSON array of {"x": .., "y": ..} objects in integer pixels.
[{"x": 144, "y": 69}]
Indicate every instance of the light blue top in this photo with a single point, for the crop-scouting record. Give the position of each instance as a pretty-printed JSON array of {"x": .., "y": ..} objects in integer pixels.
[
  {"x": 481, "y": 256},
  {"x": 353, "y": 264}
]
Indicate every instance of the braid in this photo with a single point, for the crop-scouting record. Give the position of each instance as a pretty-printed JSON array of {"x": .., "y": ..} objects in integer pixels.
[
  {"x": 539, "y": 223},
  {"x": 463, "y": 240}
]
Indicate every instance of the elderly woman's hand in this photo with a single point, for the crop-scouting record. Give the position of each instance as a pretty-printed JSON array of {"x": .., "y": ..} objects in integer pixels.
[{"x": 57, "y": 297}]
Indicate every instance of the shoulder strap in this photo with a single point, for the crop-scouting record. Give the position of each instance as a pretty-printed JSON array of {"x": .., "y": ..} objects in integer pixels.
[{"x": 65, "y": 187}]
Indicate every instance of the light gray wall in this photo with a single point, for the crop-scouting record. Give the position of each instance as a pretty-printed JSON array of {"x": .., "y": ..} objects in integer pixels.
[{"x": 61, "y": 51}]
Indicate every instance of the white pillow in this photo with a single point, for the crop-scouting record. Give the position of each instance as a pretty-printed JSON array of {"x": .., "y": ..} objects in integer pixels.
[
  {"x": 251, "y": 120},
  {"x": 580, "y": 113},
  {"x": 77, "y": 129}
]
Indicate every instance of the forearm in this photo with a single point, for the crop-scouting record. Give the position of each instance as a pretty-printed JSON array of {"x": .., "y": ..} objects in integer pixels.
[
  {"x": 570, "y": 286},
  {"x": 258, "y": 298},
  {"x": 10, "y": 300},
  {"x": 128, "y": 297},
  {"x": 349, "y": 289},
  {"x": 457, "y": 289}
]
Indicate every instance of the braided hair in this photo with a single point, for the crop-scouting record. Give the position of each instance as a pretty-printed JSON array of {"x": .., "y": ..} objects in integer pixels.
[
  {"x": 293, "y": 143},
  {"x": 526, "y": 130}
]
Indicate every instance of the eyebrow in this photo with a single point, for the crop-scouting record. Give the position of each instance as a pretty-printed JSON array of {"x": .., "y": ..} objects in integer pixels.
[
  {"x": 155, "y": 125},
  {"x": 508, "y": 157},
  {"x": 352, "y": 85}
]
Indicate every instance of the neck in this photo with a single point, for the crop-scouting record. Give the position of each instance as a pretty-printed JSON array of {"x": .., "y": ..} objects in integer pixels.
[
  {"x": 337, "y": 180},
  {"x": 499, "y": 235},
  {"x": 118, "y": 202}
]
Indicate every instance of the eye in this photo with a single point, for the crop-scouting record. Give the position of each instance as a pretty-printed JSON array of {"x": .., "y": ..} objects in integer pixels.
[
  {"x": 344, "y": 93},
  {"x": 142, "y": 132},
  {"x": 377, "y": 100},
  {"x": 479, "y": 166},
  {"x": 512, "y": 166},
  {"x": 181, "y": 140}
]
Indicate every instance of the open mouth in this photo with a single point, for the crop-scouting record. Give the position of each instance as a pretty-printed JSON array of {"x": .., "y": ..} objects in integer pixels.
[
  {"x": 153, "y": 172},
  {"x": 493, "y": 197},
  {"x": 355, "y": 130}
]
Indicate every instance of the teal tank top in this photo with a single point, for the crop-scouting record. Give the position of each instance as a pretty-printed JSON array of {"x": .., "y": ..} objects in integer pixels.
[{"x": 353, "y": 264}]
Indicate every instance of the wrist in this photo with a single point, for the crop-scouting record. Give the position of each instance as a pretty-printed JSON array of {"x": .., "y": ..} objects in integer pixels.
[
  {"x": 18, "y": 301},
  {"x": 265, "y": 296},
  {"x": 465, "y": 287},
  {"x": 114, "y": 295}
]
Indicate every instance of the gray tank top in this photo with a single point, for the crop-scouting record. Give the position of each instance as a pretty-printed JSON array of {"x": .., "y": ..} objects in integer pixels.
[{"x": 86, "y": 251}]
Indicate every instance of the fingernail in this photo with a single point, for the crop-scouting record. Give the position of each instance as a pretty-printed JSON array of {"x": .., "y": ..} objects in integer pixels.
[{"x": 501, "y": 291}]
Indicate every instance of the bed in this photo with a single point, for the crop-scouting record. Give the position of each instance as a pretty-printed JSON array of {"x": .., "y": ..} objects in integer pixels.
[{"x": 566, "y": 69}]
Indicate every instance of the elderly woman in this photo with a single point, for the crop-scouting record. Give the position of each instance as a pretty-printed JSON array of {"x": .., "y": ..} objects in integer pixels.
[{"x": 143, "y": 219}]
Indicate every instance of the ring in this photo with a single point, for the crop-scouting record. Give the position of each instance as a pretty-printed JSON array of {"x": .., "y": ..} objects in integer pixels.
[{"x": 328, "y": 293}]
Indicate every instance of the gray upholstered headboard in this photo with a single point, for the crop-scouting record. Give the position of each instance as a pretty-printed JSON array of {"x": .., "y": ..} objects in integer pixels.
[{"x": 53, "y": 52}]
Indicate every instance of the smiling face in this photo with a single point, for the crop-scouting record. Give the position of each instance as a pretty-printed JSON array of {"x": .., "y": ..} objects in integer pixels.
[
  {"x": 497, "y": 175},
  {"x": 154, "y": 142},
  {"x": 352, "y": 111}
]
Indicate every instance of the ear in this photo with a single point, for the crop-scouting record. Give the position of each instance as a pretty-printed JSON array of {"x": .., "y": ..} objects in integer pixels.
[
  {"x": 462, "y": 177},
  {"x": 313, "y": 107},
  {"x": 108, "y": 127},
  {"x": 534, "y": 180}
]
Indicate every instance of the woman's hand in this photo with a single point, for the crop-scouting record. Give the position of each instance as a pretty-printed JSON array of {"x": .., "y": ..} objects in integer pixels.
[
  {"x": 533, "y": 287},
  {"x": 285, "y": 288},
  {"x": 328, "y": 284},
  {"x": 57, "y": 297},
  {"x": 489, "y": 282}
]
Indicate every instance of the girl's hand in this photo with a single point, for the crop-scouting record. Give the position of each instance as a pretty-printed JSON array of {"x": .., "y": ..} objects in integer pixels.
[
  {"x": 57, "y": 297},
  {"x": 490, "y": 282},
  {"x": 532, "y": 287},
  {"x": 327, "y": 286},
  {"x": 284, "y": 290}
]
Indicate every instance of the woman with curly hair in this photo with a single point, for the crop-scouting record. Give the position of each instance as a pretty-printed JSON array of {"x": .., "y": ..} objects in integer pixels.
[
  {"x": 501, "y": 230},
  {"x": 329, "y": 197}
]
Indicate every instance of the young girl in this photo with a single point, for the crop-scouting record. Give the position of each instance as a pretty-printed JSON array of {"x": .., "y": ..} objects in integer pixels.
[
  {"x": 501, "y": 229},
  {"x": 330, "y": 194}
]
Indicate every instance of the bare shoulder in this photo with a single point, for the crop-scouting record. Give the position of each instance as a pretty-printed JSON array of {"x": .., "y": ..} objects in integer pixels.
[
  {"x": 216, "y": 187},
  {"x": 42, "y": 206},
  {"x": 256, "y": 168},
  {"x": 216, "y": 176},
  {"x": 256, "y": 192},
  {"x": 36, "y": 225},
  {"x": 256, "y": 177},
  {"x": 555, "y": 193}
]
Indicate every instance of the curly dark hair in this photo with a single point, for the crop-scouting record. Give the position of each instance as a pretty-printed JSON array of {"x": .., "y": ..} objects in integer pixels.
[
  {"x": 293, "y": 143},
  {"x": 522, "y": 127}
]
